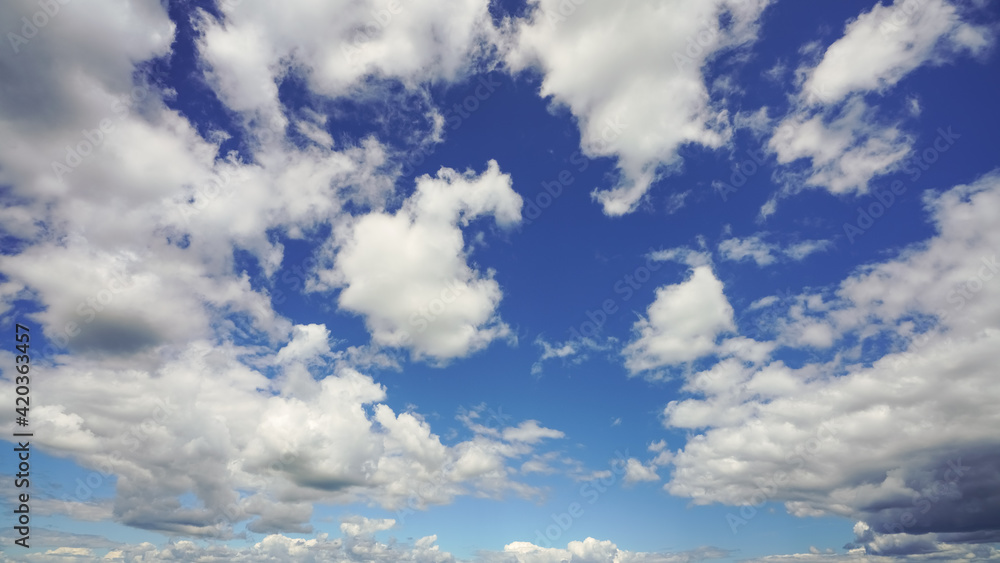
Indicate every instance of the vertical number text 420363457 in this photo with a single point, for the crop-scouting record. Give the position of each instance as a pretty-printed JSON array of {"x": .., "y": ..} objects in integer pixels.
[{"x": 22, "y": 402}]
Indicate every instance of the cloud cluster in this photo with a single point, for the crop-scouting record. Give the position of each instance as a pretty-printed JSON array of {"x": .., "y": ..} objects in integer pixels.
[
  {"x": 108, "y": 145},
  {"x": 151, "y": 258},
  {"x": 335, "y": 46},
  {"x": 358, "y": 543},
  {"x": 408, "y": 274},
  {"x": 249, "y": 448},
  {"x": 846, "y": 146},
  {"x": 632, "y": 76},
  {"x": 897, "y": 437},
  {"x": 833, "y": 125},
  {"x": 169, "y": 373},
  {"x": 682, "y": 324}
]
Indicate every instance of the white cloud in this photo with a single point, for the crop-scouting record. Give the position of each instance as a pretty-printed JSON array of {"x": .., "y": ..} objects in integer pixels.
[
  {"x": 846, "y": 148},
  {"x": 832, "y": 125},
  {"x": 150, "y": 305},
  {"x": 540, "y": 464},
  {"x": 549, "y": 351},
  {"x": 591, "y": 550},
  {"x": 888, "y": 42},
  {"x": 631, "y": 73},
  {"x": 106, "y": 146},
  {"x": 577, "y": 349},
  {"x": 765, "y": 253},
  {"x": 681, "y": 325},
  {"x": 337, "y": 44},
  {"x": 676, "y": 201},
  {"x": 751, "y": 247},
  {"x": 800, "y": 250},
  {"x": 763, "y": 302},
  {"x": 663, "y": 455},
  {"x": 361, "y": 526},
  {"x": 899, "y": 438},
  {"x": 86, "y": 511},
  {"x": 636, "y": 472},
  {"x": 163, "y": 271},
  {"x": 308, "y": 342},
  {"x": 407, "y": 272},
  {"x": 255, "y": 449},
  {"x": 529, "y": 432},
  {"x": 683, "y": 255}
]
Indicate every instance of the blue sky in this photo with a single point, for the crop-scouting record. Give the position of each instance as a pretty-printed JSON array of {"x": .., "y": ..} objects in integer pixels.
[{"x": 551, "y": 281}]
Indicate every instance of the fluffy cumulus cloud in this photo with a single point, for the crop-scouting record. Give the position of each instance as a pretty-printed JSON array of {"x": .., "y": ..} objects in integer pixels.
[
  {"x": 632, "y": 76},
  {"x": 681, "y": 325},
  {"x": 884, "y": 44},
  {"x": 901, "y": 440},
  {"x": 637, "y": 472},
  {"x": 833, "y": 127},
  {"x": 308, "y": 342},
  {"x": 335, "y": 45},
  {"x": 593, "y": 550},
  {"x": 845, "y": 147},
  {"x": 408, "y": 274}
]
